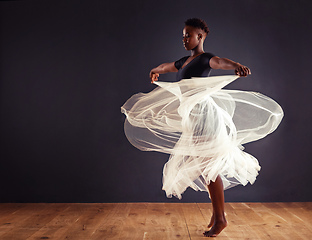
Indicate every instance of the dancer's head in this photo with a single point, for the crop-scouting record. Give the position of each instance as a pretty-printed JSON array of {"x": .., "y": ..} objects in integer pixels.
[
  {"x": 197, "y": 23},
  {"x": 194, "y": 33}
]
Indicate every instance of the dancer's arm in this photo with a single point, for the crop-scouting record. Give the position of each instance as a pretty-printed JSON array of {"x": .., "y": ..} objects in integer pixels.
[
  {"x": 162, "y": 68},
  {"x": 227, "y": 64}
]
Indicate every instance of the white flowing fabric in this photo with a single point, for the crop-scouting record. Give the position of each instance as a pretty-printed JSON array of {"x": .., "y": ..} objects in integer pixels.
[{"x": 202, "y": 127}]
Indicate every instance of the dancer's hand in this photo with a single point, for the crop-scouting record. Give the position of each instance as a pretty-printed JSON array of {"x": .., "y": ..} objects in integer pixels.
[
  {"x": 227, "y": 64},
  {"x": 242, "y": 70},
  {"x": 154, "y": 76},
  {"x": 161, "y": 69}
]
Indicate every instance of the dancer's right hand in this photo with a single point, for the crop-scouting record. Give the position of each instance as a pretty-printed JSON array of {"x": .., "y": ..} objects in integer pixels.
[{"x": 154, "y": 76}]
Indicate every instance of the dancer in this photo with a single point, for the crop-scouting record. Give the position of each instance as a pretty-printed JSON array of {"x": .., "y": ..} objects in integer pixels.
[
  {"x": 194, "y": 35},
  {"x": 202, "y": 126}
]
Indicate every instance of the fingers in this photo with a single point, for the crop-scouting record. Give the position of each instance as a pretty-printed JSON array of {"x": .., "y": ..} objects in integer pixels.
[
  {"x": 154, "y": 77},
  {"x": 242, "y": 71}
]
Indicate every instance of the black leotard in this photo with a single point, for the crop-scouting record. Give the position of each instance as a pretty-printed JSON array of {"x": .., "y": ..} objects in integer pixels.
[{"x": 198, "y": 67}]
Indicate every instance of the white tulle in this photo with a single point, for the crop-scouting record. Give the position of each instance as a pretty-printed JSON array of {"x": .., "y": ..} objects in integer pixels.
[{"x": 202, "y": 127}]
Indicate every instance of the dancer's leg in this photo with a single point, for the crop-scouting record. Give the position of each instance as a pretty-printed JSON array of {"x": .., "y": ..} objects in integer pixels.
[{"x": 218, "y": 221}]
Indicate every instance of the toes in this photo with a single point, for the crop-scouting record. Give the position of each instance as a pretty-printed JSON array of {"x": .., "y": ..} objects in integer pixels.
[{"x": 209, "y": 234}]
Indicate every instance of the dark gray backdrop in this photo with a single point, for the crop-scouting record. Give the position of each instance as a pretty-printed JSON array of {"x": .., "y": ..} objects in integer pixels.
[{"x": 68, "y": 66}]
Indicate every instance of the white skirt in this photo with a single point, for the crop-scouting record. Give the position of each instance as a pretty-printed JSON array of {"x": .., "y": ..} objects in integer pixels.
[{"x": 202, "y": 127}]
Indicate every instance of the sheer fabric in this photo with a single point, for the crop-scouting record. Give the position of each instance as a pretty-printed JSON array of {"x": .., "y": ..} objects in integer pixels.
[{"x": 202, "y": 127}]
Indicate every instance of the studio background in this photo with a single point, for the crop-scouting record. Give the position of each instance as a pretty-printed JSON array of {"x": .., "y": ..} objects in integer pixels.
[{"x": 68, "y": 66}]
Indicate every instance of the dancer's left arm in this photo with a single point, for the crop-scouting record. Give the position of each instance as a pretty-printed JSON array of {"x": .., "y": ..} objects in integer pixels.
[{"x": 227, "y": 64}]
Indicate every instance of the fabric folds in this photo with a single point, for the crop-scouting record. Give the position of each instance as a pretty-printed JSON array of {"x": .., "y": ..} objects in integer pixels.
[{"x": 202, "y": 127}]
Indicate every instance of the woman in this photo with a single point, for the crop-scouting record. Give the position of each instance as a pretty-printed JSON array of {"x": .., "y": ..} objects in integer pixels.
[
  {"x": 194, "y": 35},
  {"x": 200, "y": 125}
]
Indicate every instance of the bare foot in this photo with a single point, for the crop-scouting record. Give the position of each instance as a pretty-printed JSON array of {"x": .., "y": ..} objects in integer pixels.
[{"x": 217, "y": 227}]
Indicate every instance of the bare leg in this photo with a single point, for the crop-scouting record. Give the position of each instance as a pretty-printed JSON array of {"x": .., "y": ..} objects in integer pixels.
[
  {"x": 218, "y": 221},
  {"x": 211, "y": 221}
]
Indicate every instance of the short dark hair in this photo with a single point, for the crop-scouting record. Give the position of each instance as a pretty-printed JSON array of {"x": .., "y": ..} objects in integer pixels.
[{"x": 197, "y": 23}]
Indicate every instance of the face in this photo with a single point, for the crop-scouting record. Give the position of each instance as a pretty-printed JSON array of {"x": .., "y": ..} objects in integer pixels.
[{"x": 191, "y": 37}]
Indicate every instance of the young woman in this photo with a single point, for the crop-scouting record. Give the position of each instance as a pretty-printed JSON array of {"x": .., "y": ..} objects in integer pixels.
[
  {"x": 200, "y": 125},
  {"x": 194, "y": 35},
  {"x": 199, "y": 64}
]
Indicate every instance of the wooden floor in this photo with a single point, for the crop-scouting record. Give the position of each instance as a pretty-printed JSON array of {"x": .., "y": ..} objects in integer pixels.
[{"x": 152, "y": 221}]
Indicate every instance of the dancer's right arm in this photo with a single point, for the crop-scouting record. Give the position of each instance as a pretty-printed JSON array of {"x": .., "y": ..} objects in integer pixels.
[{"x": 162, "y": 68}]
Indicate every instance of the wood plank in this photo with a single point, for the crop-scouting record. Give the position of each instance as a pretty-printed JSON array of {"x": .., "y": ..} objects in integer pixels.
[
  {"x": 88, "y": 218},
  {"x": 280, "y": 221},
  {"x": 176, "y": 221},
  {"x": 238, "y": 224},
  {"x": 306, "y": 206},
  {"x": 134, "y": 223},
  {"x": 30, "y": 219},
  {"x": 298, "y": 210},
  {"x": 298, "y": 219},
  {"x": 112, "y": 225},
  {"x": 195, "y": 221},
  {"x": 9, "y": 208},
  {"x": 97, "y": 221},
  {"x": 165, "y": 221},
  {"x": 67, "y": 220},
  {"x": 261, "y": 227},
  {"x": 8, "y": 213}
]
